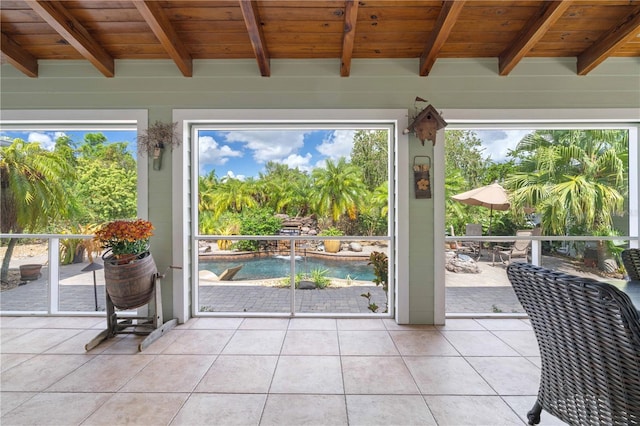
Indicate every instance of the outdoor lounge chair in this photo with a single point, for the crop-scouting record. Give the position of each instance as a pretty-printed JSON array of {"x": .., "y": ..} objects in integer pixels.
[
  {"x": 631, "y": 262},
  {"x": 226, "y": 275},
  {"x": 519, "y": 249},
  {"x": 470, "y": 248},
  {"x": 588, "y": 333}
]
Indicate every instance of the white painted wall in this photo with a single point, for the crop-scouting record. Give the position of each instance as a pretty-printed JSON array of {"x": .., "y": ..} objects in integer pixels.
[{"x": 158, "y": 87}]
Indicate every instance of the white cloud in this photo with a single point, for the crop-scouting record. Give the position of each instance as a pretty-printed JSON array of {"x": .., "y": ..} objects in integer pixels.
[
  {"x": 45, "y": 140},
  {"x": 297, "y": 161},
  {"x": 232, "y": 175},
  {"x": 269, "y": 145},
  {"x": 497, "y": 143},
  {"x": 211, "y": 152},
  {"x": 338, "y": 144}
]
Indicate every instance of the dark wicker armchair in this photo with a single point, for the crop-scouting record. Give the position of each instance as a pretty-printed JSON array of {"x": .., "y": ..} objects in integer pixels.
[
  {"x": 588, "y": 333},
  {"x": 631, "y": 262}
]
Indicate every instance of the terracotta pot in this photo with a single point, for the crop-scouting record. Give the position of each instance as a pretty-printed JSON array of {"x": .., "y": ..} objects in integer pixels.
[{"x": 30, "y": 272}]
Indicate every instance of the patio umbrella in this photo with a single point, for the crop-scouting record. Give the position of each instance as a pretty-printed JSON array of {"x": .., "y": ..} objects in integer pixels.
[{"x": 493, "y": 197}]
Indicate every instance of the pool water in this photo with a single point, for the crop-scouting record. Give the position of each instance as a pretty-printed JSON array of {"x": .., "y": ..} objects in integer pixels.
[{"x": 279, "y": 266}]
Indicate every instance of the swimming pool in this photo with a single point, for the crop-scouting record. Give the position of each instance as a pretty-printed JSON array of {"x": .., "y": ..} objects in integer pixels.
[{"x": 279, "y": 266}]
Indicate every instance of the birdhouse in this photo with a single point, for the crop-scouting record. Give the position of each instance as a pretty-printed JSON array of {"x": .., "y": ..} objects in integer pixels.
[{"x": 426, "y": 124}]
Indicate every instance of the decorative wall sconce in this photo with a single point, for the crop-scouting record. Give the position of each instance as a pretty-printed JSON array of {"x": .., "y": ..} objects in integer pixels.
[
  {"x": 422, "y": 181},
  {"x": 426, "y": 124},
  {"x": 154, "y": 140}
]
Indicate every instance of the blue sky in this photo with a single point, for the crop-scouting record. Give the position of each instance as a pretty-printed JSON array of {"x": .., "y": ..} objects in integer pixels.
[
  {"x": 243, "y": 153},
  {"x": 47, "y": 138}
]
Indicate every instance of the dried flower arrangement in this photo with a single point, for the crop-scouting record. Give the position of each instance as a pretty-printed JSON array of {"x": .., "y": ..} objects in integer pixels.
[{"x": 158, "y": 136}]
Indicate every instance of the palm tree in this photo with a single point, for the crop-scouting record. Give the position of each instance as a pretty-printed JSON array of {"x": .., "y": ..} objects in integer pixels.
[
  {"x": 32, "y": 191},
  {"x": 339, "y": 188},
  {"x": 575, "y": 178},
  {"x": 233, "y": 195}
]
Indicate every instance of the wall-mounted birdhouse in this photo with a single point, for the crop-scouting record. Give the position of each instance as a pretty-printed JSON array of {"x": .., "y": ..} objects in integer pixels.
[{"x": 426, "y": 124}]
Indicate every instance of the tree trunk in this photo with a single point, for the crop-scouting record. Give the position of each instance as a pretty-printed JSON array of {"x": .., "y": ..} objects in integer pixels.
[
  {"x": 602, "y": 254},
  {"x": 4, "y": 271}
]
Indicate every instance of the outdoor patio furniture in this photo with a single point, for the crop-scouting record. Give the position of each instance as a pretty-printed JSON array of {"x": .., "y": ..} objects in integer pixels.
[
  {"x": 588, "y": 333},
  {"x": 519, "y": 249},
  {"x": 470, "y": 248},
  {"x": 631, "y": 262}
]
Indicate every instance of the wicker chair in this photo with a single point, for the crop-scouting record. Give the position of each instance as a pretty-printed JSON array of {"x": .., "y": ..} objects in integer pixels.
[
  {"x": 631, "y": 262},
  {"x": 588, "y": 333}
]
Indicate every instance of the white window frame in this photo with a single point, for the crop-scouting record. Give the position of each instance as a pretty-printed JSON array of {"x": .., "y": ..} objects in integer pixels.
[
  {"x": 183, "y": 162},
  {"x": 618, "y": 118}
]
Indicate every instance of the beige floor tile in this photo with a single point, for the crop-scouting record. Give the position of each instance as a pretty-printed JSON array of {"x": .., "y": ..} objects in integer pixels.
[
  {"x": 385, "y": 410},
  {"x": 104, "y": 373},
  {"x": 25, "y": 322},
  {"x": 121, "y": 344},
  {"x": 170, "y": 373},
  {"x": 460, "y": 324},
  {"x": 308, "y": 374},
  {"x": 523, "y": 404},
  {"x": 221, "y": 409},
  {"x": 8, "y": 361},
  {"x": 300, "y": 410},
  {"x": 478, "y": 343},
  {"x": 204, "y": 342},
  {"x": 40, "y": 372},
  {"x": 73, "y": 322},
  {"x": 360, "y": 324},
  {"x": 55, "y": 409},
  {"x": 422, "y": 343},
  {"x": 524, "y": 342},
  {"x": 471, "y": 410},
  {"x": 377, "y": 375},
  {"x": 311, "y": 342},
  {"x": 265, "y": 324},
  {"x": 7, "y": 334},
  {"x": 366, "y": 343},
  {"x": 504, "y": 324},
  {"x": 215, "y": 323},
  {"x": 446, "y": 375},
  {"x": 391, "y": 324},
  {"x": 37, "y": 341},
  {"x": 239, "y": 374},
  {"x": 11, "y": 400},
  {"x": 535, "y": 360},
  {"x": 138, "y": 409},
  {"x": 509, "y": 375},
  {"x": 313, "y": 324},
  {"x": 75, "y": 345},
  {"x": 255, "y": 342}
]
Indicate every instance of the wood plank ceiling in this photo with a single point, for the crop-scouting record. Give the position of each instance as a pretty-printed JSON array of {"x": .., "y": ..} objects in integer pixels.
[{"x": 103, "y": 31}]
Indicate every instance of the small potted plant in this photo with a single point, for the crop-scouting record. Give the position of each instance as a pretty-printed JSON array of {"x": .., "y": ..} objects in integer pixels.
[
  {"x": 331, "y": 246},
  {"x": 156, "y": 138},
  {"x": 125, "y": 239},
  {"x": 128, "y": 265}
]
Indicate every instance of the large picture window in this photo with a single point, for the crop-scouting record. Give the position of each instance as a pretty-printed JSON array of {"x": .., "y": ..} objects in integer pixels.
[{"x": 285, "y": 208}]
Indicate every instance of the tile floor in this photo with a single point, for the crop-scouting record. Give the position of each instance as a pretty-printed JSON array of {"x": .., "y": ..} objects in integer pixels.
[{"x": 260, "y": 371}]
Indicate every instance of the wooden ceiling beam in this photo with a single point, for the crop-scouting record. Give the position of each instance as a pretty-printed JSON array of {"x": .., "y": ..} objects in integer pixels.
[
  {"x": 613, "y": 39},
  {"x": 254, "y": 28},
  {"x": 59, "y": 18},
  {"x": 159, "y": 23},
  {"x": 18, "y": 57},
  {"x": 348, "y": 36},
  {"x": 531, "y": 34},
  {"x": 444, "y": 24}
]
